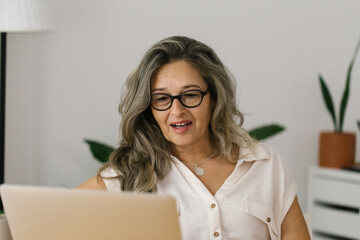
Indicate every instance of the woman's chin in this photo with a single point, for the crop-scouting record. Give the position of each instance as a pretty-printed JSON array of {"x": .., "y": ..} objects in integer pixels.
[{"x": 181, "y": 143}]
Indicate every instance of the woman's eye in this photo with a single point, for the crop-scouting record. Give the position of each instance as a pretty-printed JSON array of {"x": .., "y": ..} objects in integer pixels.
[
  {"x": 190, "y": 95},
  {"x": 162, "y": 99}
]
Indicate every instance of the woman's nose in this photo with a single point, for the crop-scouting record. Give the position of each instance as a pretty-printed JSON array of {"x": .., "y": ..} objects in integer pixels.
[{"x": 177, "y": 108}]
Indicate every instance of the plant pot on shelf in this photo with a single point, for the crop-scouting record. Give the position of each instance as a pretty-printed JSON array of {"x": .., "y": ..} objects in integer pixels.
[{"x": 336, "y": 150}]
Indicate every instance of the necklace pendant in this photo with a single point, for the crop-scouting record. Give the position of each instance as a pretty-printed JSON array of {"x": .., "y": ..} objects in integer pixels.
[{"x": 199, "y": 171}]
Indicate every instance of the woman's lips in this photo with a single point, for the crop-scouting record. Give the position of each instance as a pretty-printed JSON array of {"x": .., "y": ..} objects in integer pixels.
[{"x": 180, "y": 127}]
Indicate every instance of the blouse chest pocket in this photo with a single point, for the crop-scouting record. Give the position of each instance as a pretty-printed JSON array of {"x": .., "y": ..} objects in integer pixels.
[{"x": 264, "y": 214}]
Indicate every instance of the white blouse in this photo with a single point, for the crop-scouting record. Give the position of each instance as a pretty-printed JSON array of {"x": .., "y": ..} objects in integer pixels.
[{"x": 251, "y": 204}]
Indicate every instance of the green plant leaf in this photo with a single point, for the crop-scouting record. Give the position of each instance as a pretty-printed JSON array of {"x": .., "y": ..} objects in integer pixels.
[
  {"x": 100, "y": 151},
  {"x": 346, "y": 93},
  {"x": 266, "y": 131},
  {"x": 328, "y": 100},
  {"x": 344, "y": 99},
  {"x": 358, "y": 123}
]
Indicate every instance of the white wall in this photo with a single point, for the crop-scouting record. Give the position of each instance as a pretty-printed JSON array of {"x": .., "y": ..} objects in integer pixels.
[{"x": 65, "y": 86}]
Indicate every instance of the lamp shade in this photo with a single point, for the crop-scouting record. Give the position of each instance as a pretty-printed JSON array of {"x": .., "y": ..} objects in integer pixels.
[{"x": 25, "y": 16}]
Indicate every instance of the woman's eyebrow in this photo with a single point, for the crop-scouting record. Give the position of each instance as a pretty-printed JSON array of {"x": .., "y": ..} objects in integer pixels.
[
  {"x": 191, "y": 86},
  {"x": 157, "y": 89},
  {"x": 184, "y": 87}
]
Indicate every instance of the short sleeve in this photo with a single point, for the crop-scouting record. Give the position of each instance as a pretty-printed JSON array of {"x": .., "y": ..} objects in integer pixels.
[
  {"x": 285, "y": 189},
  {"x": 112, "y": 184}
]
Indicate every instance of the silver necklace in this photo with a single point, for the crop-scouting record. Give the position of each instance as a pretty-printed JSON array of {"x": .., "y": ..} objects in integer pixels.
[{"x": 199, "y": 170}]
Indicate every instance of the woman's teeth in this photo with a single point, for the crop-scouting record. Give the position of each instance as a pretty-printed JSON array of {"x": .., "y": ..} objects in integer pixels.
[{"x": 181, "y": 125}]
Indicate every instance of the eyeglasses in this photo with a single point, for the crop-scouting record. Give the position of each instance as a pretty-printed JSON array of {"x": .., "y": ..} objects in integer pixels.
[{"x": 189, "y": 99}]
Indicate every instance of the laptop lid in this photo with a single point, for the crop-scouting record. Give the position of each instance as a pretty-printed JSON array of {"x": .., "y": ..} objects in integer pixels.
[{"x": 43, "y": 213}]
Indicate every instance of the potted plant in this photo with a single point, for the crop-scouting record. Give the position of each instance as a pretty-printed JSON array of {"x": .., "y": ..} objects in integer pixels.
[{"x": 337, "y": 148}]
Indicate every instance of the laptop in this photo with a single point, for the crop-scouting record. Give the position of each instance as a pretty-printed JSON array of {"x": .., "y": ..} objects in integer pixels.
[{"x": 44, "y": 213}]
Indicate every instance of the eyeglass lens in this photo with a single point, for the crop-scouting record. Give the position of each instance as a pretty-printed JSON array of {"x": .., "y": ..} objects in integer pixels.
[{"x": 190, "y": 98}]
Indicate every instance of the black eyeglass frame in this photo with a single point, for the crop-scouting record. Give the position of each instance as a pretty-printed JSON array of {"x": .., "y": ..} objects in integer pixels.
[{"x": 178, "y": 97}]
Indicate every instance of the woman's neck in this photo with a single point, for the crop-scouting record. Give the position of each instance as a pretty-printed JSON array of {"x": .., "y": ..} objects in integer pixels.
[{"x": 194, "y": 154}]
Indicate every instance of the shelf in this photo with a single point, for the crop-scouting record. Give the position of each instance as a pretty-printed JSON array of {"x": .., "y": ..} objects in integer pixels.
[{"x": 334, "y": 203}]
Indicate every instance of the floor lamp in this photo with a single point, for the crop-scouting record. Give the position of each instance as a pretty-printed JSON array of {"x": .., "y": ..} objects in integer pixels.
[{"x": 17, "y": 16}]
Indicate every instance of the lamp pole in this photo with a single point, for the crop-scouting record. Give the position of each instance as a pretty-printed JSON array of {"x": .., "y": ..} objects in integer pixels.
[
  {"x": 2, "y": 109},
  {"x": 2, "y": 106}
]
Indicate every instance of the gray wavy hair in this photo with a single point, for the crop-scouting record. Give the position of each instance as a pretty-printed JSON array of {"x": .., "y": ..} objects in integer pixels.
[{"x": 143, "y": 156}]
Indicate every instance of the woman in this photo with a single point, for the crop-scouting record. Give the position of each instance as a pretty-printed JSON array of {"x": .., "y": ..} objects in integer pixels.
[{"x": 182, "y": 136}]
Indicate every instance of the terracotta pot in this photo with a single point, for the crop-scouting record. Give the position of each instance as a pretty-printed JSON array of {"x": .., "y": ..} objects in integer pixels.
[{"x": 336, "y": 150}]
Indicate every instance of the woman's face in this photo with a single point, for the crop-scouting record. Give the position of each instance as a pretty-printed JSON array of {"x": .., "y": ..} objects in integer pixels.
[{"x": 182, "y": 126}]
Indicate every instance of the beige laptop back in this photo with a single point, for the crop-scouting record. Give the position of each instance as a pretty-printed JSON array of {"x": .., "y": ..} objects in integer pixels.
[{"x": 39, "y": 213}]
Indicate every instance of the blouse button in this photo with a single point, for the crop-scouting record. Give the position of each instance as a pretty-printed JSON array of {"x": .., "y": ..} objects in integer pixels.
[
  {"x": 268, "y": 219},
  {"x": 216, "y": 234},
  {"x": 213, "y": 205}
]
